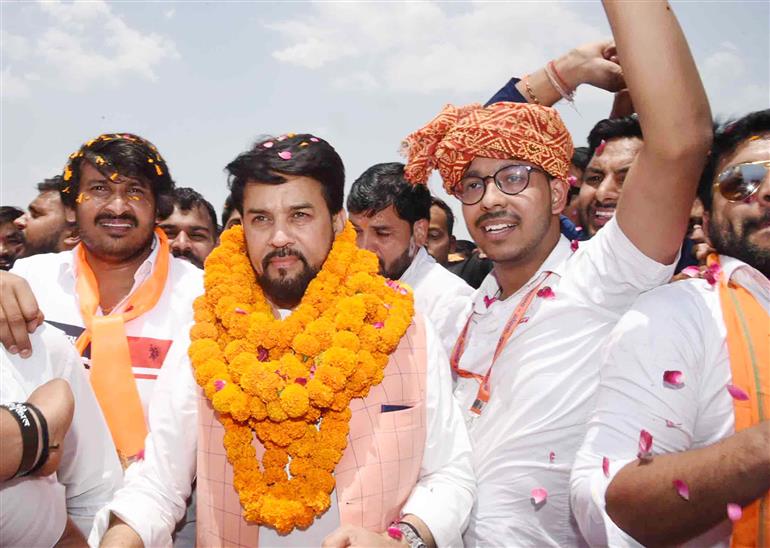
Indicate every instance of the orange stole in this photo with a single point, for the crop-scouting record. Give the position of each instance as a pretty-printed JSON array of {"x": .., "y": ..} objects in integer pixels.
[
  {"x": 375, "y": 476},
  {"x": 748, "y": 345},
  {"x": 111, "y": 375}
]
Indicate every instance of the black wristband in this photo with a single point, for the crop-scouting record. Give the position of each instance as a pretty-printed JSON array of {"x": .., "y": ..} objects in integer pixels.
[
  {"x": 30, "y": 436},
  {"x": 41, "y": 460}
]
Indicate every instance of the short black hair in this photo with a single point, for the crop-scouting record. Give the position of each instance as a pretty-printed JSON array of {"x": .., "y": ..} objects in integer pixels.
[
  {"x": 613, "y": 128},
  {"x": 124, "y": 154},
  {"x": 187, "y": 198},
  {"x": 271, "y": 159},
  {"x": 450, "y": 216},
  {"x": 52, "y": 184},
  {"x": 581, "y": 157},
  {"x": 8, "y": 214},
  {"x": 383, "y": 185},
  {"x": 727, "y": 137},
  {"x": 227, "y": 210}
]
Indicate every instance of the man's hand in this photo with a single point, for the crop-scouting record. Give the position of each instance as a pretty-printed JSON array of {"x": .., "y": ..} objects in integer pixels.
[
  {"x": 595, "y": 64},
  {"x": 348, "y": 535},
  {"x": 57, "y": 404},
  {"x": 19, "y": 314}
]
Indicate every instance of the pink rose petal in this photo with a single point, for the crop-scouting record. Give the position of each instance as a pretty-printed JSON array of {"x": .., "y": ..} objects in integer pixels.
[
  {"x": 378, "y": 325},
  {"x": 737, "y": 393},
  {"x": 546, "y": 293},
  {"x": 315, "y": 139},
  {"x": 712, "y": 274},
  {"x": 600, "y": 148},
  {"x": 674, "y": 379},
  {"x": 734, "y": 512},
  {"x": 140, "y": 454},
  {"x": 606, "y": 467},
  {"x": 579, "y": 228},
  {"x": 285, "y": 155},
  {"x": 672, "y": 424},
  {"x": 539, "y": 495},
  {"x": 574, "y": 244},
  {"x": 488, "y": 301},
  {"x": 267, "y": 144},
  {"x": 525, "y": 319},
  {"x": 219, "y": 384},
  {"x": 691, "y": 271},
  {"x": 239, "y": 310},
  {"x": 572, "y": 180},
  {"x": 262, "y": 354},
  {"x": 301, "y": 381},
  {"x": 551, "y": 456},
  {"x": 681, "y": 489},
  {"x": 645, "y": 445}
]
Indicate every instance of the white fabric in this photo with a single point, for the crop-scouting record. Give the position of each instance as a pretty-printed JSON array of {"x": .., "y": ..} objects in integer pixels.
[
  {"x": 34, "y": 510},
  {"x": 153, "y": 498},
  {"x": 52, "y": 279},
  {"x": 676, "y": 327},
  {"x": 543, "y": 385},
  {"x": 439, "y": 295}
]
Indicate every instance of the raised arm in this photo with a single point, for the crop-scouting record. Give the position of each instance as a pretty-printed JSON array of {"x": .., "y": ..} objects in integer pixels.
[{"x": 676, "y": 123}]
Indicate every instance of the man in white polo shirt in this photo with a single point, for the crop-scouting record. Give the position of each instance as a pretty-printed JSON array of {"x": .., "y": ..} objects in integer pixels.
[
  {"x": 391, "y": 217},
  {"x": 527, "y": 359}
]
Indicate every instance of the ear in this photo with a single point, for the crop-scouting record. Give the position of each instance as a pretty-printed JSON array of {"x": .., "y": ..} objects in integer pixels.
[
  {"x": 420, "y": 231},
  {"x": 338, "y": 221},
  {"x": 559, "y": 195}
]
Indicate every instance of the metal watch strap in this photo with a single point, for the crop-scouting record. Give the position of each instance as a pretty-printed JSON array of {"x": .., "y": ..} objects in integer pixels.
[{"x": 411, "y": 536}]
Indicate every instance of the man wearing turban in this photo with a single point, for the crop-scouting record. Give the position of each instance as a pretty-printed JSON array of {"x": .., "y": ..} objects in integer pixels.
[{"x": 526, "y": 359}]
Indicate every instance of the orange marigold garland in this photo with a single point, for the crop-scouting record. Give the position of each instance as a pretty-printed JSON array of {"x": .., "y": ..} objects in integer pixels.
[{"x": 290, "y": 381}]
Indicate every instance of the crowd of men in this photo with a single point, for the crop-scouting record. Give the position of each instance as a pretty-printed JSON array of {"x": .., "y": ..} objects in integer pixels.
[{"x": 593, "y": 368}]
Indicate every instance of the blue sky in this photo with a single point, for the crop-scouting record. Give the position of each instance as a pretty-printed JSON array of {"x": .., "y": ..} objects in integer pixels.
[{"x": 203, "y": 80}]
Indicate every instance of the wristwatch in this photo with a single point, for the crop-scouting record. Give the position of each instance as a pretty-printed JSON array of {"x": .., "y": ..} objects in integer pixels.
[{"x": 411, "y": 536}]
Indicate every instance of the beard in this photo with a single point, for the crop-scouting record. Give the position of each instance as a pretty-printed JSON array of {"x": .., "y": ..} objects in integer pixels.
[
  {"x": 283, "y": 290},
  {"x": 117, "y": 250},
  {"x": 736, "y": 244},
  {"x": 397, "y": 268}
]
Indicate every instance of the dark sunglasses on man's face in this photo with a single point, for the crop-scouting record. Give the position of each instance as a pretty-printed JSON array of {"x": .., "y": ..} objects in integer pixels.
[
  {"x": 510, "y": 180},
  {"x": 742, "y": 180}
]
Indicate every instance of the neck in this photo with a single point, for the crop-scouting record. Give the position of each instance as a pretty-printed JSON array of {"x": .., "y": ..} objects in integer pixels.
[
  {"x": 115, "y": 279},
  {"x": 514, "y": 274}
]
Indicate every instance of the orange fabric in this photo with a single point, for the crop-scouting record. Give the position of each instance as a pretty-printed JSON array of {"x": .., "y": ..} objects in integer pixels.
[
  {"x": 111, "y": 376},
  {"x": 452, "y": 140},
  {"x": 748, "y": 345}
]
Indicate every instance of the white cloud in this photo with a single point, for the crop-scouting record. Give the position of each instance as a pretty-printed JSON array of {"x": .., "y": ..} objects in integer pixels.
[
  {"x": 728, "y": 81},
  {"x": 85, "y": 45},
  {"x": 12, "y": 86},
  {"x": 169, "y": 14},
  {"x": 428, "y": 47}
]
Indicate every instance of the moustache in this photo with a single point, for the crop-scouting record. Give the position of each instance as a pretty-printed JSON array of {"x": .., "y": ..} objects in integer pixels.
[
  {"x": 187, "y": 254},
  {"x": 280, "y": 253},
  {"x": 122, "y": 217},
  {"x": 762, "y": 221},
  {"x": 497, "y": 215}
]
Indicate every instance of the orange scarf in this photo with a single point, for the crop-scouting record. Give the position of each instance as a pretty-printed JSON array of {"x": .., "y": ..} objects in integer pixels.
[
  {"x": 111, "y": 375},
  {"x": 748, "y": 345}
]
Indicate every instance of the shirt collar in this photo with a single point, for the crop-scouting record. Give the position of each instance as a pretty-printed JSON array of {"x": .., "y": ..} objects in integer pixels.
[
  {"x": 748, "y": 277},
  {"x": 69, "y": 267},
  {"x": 421, "y": 260}
]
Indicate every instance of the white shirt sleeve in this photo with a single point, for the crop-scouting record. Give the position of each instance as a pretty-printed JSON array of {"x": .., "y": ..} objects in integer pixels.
[
  {"x": 665, "y": 331},
  {"x": 34, "y": 512},
  {"x": 611, "y": 272},
  {"x": 446, "y": 490},
  {"x": 156, "y": 488}
]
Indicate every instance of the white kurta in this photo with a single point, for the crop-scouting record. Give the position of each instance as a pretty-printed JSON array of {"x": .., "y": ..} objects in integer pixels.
[
  {"x": 440, "y": 296},
  {"x": 676, "y": 327},
  {"x": 155, "y": 490},
  {"x": 34, "y": 509},
  {"x": 543, "y": 386}
]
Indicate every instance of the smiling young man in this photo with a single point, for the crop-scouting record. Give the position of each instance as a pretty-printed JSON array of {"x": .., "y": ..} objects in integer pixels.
[
  {"x": 191, "y": 227},
  {"x": 300, "y": 343},
  {"x": 11, "y": 238},
  {"x": 47, "y": 225},
  {"x": 527, "y": 360},
  {"x": 391, "y": 217},
  {"x": 704, "y": 402}
]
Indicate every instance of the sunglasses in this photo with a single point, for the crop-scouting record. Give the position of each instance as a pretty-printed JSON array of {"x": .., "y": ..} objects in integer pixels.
[
  {"x": 510, "y": 180},
  {"x": 742, "y": 180}
]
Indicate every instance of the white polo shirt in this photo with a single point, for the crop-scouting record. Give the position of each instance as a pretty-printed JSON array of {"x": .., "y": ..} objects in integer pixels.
[
  {"x": 677, "y": 327},
  {"x": 543, "y": 385},
  {"x": 440, "y": 296},
  {"x": 34, "y": 509},
  {"x": 52, "y": 278}
]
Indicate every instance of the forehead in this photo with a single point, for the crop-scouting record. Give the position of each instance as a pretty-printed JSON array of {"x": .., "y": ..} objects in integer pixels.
[
  {"x": 88, "y": 173},
  {"x": 385, "y": 218},
  {"x": 47, "y": 199},
  {"x": 297, "y": 190},
  {"x": 196, "y": 216},
  {"x": 488, "y": 166},
  {"x": 617, "y": 153},
  {"x": 437, "y": 216},
  {"x": 8, "y": 229},
  {"x": 750, "y": 150}
]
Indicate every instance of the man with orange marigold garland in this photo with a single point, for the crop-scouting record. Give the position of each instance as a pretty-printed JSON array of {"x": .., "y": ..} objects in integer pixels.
[
  {"x": 527, "y": 358},
  {"x": 326, "y": 414}
]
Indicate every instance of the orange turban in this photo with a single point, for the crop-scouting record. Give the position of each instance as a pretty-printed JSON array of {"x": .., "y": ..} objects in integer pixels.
[{"x": 501, "y": 131}]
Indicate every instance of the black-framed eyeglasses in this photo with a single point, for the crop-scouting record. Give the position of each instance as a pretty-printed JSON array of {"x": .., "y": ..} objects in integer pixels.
[
  {"x": 510, "y": 180},
  {"x": 742, "y": 180}
]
